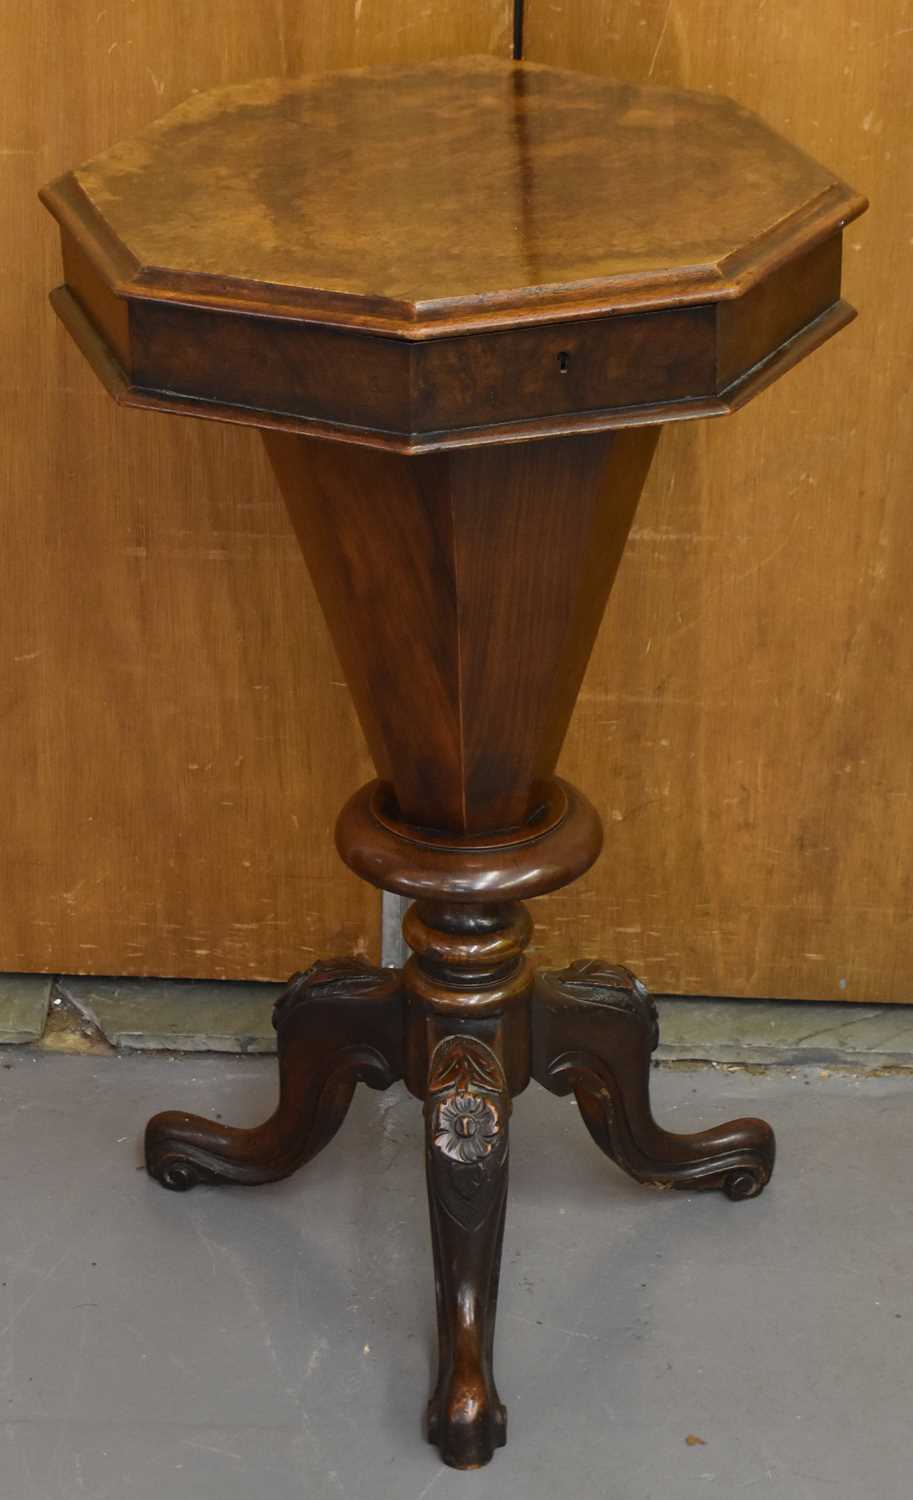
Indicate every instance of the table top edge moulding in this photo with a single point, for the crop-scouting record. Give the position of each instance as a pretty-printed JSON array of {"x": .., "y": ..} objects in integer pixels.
[
  {"x": 431, "y": 267},
  {"x": 133, "y": 315}
]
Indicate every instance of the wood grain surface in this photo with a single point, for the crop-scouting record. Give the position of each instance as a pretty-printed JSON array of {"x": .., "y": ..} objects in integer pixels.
[
  {"x": 349, "y": 196},
  {"x": 744, "y": 723},
  {"x": 250, "y": 254},
  {"x": 463, "y": 591},
  {"x": 175, "y": 735}
]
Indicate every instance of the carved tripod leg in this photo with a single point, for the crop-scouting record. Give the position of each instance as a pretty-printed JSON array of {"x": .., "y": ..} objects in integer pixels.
[
  {"x": 340, "y": 1023},
  {"x": 466, "y": 1113},
  {"x": 594, "y": 1028}
]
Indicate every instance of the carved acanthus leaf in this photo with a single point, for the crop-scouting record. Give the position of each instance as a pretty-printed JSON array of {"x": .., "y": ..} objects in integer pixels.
[
  {"x": 593, "y": 981},
  {"x": 464, "y": 1063},
  {"x": 330, "y": 974},
  {"x": 335, "y": 978}
]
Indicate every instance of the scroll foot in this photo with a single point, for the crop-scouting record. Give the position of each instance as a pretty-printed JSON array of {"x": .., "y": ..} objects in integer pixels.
[
  {"x": 339, "y": 1023},
  {"x": 594, "y": 1027}
]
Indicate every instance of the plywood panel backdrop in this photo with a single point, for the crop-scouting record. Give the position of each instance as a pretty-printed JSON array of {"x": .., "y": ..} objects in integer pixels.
[
  {"x": 745, "y": 723},
  {"x": 175, "y": 735}
]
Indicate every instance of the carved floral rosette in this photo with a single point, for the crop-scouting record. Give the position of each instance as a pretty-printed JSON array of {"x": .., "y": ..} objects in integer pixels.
[
  {"x": 468, "y": 1104},
  {"x": 466, "y": 1127}
]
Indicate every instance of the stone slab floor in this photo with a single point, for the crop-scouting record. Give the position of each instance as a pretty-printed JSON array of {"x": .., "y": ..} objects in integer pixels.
[
  {"x": 67, "y": 1012},
  {"x": 275, "y": 1343}
]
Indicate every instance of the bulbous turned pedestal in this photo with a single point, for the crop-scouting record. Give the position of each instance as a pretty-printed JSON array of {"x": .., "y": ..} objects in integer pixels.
[{"x": 459, "y": 298}]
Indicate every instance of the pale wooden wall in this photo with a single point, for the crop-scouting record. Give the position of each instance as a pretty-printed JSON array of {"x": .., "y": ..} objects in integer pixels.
[
  {"x": 745, "y": 725},
  {"x": 175, "y": 737}
]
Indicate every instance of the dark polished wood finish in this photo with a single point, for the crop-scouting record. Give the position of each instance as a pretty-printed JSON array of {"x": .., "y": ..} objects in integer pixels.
[
  {"x": 488, "y": 546},
  {"x": 594, "y": 1028},
  {"x": 310, "y": 255},
  {"x": 432, "y": 266},
  {"x": 466, "y": 1113},
  {"x": 338, "y": 1024}
]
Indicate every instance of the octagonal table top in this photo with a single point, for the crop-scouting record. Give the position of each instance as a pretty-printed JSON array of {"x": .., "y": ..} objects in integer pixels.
[
  {"x": 469, "y": 250},
  {"x": 454, "y": 190}
]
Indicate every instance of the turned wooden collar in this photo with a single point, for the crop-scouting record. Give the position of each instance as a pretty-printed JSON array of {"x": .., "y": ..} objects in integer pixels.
[{"x": 451, "y": 253}]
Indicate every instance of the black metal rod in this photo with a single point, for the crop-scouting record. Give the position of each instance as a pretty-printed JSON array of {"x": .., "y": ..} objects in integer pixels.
[{"x": 518, "y": 30}]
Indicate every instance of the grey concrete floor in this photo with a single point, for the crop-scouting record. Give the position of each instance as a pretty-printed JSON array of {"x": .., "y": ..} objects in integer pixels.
[{"x": 275, "y": 1343}]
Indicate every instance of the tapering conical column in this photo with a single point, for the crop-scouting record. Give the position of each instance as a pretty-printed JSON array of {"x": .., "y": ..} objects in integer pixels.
[{"x": 464, "y": 590}]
